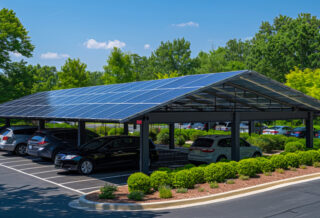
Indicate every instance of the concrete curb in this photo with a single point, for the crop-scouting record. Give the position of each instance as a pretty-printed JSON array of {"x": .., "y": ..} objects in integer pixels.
[{"x": 175, "y": 204}]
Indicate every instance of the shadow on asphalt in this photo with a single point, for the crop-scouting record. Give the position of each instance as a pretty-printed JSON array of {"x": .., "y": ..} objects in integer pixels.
[{"x": 27, "y": 201}]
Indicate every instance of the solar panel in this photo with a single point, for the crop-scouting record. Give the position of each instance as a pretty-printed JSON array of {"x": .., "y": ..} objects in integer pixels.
[{"x": 114, "y": 102}]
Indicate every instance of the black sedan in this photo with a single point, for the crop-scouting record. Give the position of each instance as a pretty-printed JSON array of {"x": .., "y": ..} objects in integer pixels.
[{"x": 105, "y": 152}]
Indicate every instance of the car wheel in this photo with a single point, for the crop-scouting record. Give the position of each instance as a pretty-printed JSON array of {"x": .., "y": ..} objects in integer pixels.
[
  {"x": 86, "y": 167},
  {"x": 21, "y": 149},
  {"x": 256, "y": 154},
  {"x": 221, "y": 158}
]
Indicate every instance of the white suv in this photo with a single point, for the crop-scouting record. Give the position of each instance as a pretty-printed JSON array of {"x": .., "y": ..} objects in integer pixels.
[{"x": 214, "y": 148}]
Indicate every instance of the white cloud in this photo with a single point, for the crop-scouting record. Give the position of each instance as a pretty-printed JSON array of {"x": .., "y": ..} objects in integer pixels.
[
  {"x": 16, "y": 54},
  {"x": 248, "y": 38},
  {"x": 146, "y": 46},
  {"x": 188, "y": 24},
  {"x": 53, "y": 55},
  {"x": 93, "y": 44}
]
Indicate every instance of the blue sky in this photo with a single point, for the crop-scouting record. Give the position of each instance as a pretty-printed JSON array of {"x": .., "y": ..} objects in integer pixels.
[{"x": 89, "y": 29}]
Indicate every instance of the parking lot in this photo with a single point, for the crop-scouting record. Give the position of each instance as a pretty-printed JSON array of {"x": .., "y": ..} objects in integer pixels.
[{"x": 45, "y": 171}]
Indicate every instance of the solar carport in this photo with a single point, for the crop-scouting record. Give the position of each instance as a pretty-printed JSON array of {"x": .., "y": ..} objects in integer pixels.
[{"x": 230, "y": 96}]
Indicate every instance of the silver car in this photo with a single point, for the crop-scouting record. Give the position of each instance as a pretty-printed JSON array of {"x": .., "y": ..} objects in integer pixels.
[
  {"x": 214, "y": 148},
  {"x": 15, "y": 138}
]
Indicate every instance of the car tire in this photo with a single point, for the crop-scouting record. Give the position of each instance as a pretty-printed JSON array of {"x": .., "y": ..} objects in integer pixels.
[
  {"x": 86, "y": 167},
  {"x": 256, "y": 154},
  {"x": 220, "y": 158},
  {"x": 53, "y": 156},
  {"x": 21, "y": 149}
]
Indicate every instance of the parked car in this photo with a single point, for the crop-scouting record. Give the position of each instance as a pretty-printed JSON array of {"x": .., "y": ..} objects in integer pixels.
[
  {"x": 47, "y": 143},
  {"x": 105, "y": 152},
  {"x": 300, "y": 132},
  {"x": 277, "y": 130},
  {"x": 224, "y": 126},
  {"x": 317, "y": 134},
  {"x": 199, "y": 126},
  {"x": 15, "y": 138},
  {"x": 214, "y": 148}
]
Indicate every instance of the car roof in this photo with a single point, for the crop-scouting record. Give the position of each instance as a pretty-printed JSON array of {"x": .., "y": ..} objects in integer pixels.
[
  {"x": 21, "y": 127},
  {"x": 50, "y": 130}
]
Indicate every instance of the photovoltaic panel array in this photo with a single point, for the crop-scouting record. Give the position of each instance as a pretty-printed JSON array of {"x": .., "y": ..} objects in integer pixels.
[{"x": 115, "y": 102}]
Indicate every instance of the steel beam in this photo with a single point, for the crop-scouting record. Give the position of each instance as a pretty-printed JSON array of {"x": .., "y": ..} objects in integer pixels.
[
  {"x": 41, "y": 124},
  {"x": 126, "y": 129},
  {"x": 81, "y": 132},
  {"x": 144, "y": 146},
  {"x": 309, "y": 130},
  {"x": 7, "y": 122},
  {"x": 171, "y": 135},
  {"x": 235, "y": 137},
  {"x": 251, "y": 127}
]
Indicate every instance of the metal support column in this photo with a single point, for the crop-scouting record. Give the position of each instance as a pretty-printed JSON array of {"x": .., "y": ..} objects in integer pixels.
[
  {"x": 41, "y": 124},
  {"x": 171, "y": 135},
  {"x": 7, "y": 124},
  {"x": 144, "y": 146},
  {"x": 309, "y": 130},
  {"x": 81, "y": 132},
  {"x": 126, "y": 129},
  {"x": 235, "y": 137},
  {"x": 251, "y": 127}
]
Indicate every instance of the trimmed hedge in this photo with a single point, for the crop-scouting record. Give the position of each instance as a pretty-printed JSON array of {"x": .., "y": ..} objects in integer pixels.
[
  {"x": 264, "y": 165},
  {"x": 279, "y": 161},
  {"x": 219, "y": 172},
  {"x": 139, "y": 182},
  {"x": 248, "y": 167},
  {"x": 305, "y": 158},
  {"x": 158, "y": 179},
  {"x": 293, "y": 146},
  {"x": 182, "y": 179},
  {"x": 292, "y": 159}
]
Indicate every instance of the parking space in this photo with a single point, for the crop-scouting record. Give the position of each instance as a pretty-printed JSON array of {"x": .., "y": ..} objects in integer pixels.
[{"x": 45, "y": 171}]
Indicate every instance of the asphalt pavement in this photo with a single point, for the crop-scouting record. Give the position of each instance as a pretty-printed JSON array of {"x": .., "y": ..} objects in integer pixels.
[{"x": 22, "y": 195}]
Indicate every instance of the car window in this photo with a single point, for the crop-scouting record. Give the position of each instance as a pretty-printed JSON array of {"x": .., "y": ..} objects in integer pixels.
[
  {"x": 94, "y": 144},
  {"x": 59, "y": 135},
  {"x": 243, "y": 143},
  {"x": 203, "y": 142},
  {"x": 24, "y": 131},
  {"x": 38, "y": 138},
  {"x": 5, "y": 132},
  {"x": 225, "y": 143}
]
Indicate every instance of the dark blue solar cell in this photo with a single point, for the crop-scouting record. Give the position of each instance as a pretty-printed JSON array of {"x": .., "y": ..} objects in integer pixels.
[
  {"x": 182, "y": 81},
  {"x": 94, "y": 109},
  {"x": 212, "y": 78},
  {"x": 134, "y": 109},
  {"x": 143, "y": 96},
  {"x": 166, "y": 96},
  {"x": 106, "y": 112}
]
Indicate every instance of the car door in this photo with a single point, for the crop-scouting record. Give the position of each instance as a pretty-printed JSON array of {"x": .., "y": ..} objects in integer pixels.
[
  {"x": 224, "y": 148},
  {"x": 119, "y": 152},
  {"x": 245, "y": 149}
]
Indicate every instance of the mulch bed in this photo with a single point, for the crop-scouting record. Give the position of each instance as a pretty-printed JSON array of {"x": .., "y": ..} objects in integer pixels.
[{"x": 122, "y": 192}]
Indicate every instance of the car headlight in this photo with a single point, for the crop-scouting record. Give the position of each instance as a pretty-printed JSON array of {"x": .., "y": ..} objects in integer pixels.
[
  {"x": 40, "y": 149},
  {"x": 70, "y": 157}
]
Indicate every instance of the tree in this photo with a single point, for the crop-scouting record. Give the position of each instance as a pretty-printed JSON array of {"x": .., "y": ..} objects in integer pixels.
[
  {"x": 277, "y": 48},
  {"x": 73, "y": 74},
  {"x": 13, "y": 37},
  {"x": 44, "y": 78},
  {"x": 173, "y": 57},
  {"x": 96, "y": 78},
  {"x": 119, "y": 68},
  {"x": 306, "y": 81}
]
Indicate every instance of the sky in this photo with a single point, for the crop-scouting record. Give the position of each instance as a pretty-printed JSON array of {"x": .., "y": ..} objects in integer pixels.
[{"x": 89, "y": 29}]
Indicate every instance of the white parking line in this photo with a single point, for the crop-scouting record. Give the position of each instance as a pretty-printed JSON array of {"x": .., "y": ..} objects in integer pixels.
[
  {"x": 26, "y": 164},
  {"x": 44, "y": 172},
  {"x": 90, "y": 188},
  {"x": 15, "y": 161},
  {"x": 84, "y": 180},
  {"x": 35, "y": 167},
  {"x": 53, "y": 177},
  {"x": 10, "y": 158},
  {"x": 37, "y": 177}
]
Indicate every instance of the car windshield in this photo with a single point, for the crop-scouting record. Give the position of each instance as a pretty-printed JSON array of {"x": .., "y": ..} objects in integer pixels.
[
  {"x": 94, "y": 144},
  {"x": 37, "y": 138},
  {"x": 4, "y": 132},
  {"x": 275, "y": 127},
  {"x": 203, "y": 142},
  {"x": 299, "y": 129}
]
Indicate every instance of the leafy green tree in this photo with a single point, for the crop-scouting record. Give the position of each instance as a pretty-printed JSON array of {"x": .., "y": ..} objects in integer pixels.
[
  {"x": 45, "y": 78},
  {"x": 119, "y": 68},
  {"x": 277, "y": 48},
  {"x": 13, "y": 37},
  {"x": 173, "y": 57},
  {"x": 96, "y": 78},
  {"x": 73, "y": 74}
]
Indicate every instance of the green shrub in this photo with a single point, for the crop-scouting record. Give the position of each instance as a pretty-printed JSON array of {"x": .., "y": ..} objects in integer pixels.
[
  {"x": 139, "y": 182},
  {"x": 159, "y": 178},
  {"x": 214, "y": 185},
  {"x": 242, "y": 177},
  {"x": 188, "y": 166},
  {"x": 200, "y": 189},
  {"x": 165, "y": 192},
  {"x": 167, "y": 169},
  {"x": 279, "y": 161},
  {"x": 197, "y": 174},
  {"x": 197, "y": 134},
  {"x": 291, "y": 139},
  {"x": 292, "y": 159},
  {"x": 180, "y": 140},
  {"x": 163, "y": 137},
  {"x": 182, "y": 190},
  {"x": 219, "y": 172},
  {"x": 264, "y": 143},
  {"x": 248, "y": 167},
  {"x": 264, "y": 165},
  {"x": 230, "y": 181},
  {"x": 280, "y": 141},
  {"x": 305, "y": 158},
  {"x": 136, "y": 195},
  {"x": 182, "y": 179},
  {"x": 292, "y": 168},
  {"x": 153, "y": 134},
  {"x": 316, "y": 164},
  {"x": 293, "y": 146},
  {"x": 303, "y": 167},
  {"x": 107, "y": 192},
  {"x": 280, "y": 170},
  {"x": 315, "y": 155},
  {"x": 116, "y": 131},
  {"x": 267, "y": 173}
]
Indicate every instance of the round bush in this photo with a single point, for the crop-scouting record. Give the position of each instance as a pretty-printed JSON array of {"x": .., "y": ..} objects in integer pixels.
[
  {"x": 196, "y": 135},
  {"x": 116, "y": 131},
  {"x": 163, "y": 137},
  {"x": 305, "y": 158},
  {"x": 264, "y": 165},
  {"x": 218, "y": 172},
  {"x": 153, "y": 134},
  {"x": 182, "y": 179},
  {"x": 139, "y": 182},
  {"x": 293, "y": 146},
  {"x": 264, "y": 143},
  {"x": 197, "y": 174},
  {"x": 180, "y": 140},
  {"x": 292, "y": 159},
  {"x": 248, "y": 167},
  {"x": 315, "y": 155},
  {"x": 279, "y": 161},
  {"x": 159, "y": 178}
]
